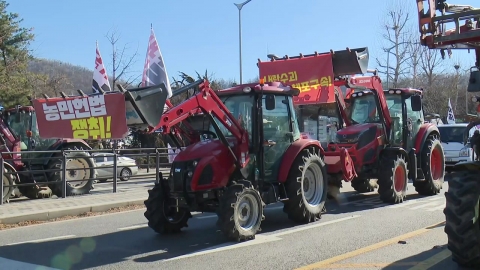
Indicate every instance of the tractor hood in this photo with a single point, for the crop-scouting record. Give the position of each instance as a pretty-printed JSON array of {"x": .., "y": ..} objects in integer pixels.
[
  {"x": 203, "y": 149},
  {"x": 351, "y": 134}
]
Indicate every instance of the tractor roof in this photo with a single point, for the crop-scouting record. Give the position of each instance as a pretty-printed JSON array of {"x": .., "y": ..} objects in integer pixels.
[
  {"x": 21, "y": 108},
  {"x": 408, "y": 91},
  {"x": 268, "y": 88}
]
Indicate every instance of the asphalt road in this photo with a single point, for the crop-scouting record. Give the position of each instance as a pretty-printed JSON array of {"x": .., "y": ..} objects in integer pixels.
[{"x": 358, "y": 233}]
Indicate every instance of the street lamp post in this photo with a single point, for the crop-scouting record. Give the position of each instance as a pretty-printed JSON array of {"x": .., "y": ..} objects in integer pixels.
[{"x": 240, "y": 6}]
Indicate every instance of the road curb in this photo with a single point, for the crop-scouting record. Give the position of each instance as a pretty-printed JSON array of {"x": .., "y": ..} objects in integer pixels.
[{"x": 71, "y": 211}]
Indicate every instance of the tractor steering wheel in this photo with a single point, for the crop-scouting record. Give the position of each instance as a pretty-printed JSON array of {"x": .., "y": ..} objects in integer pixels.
[{"x": 208, "y": 132}]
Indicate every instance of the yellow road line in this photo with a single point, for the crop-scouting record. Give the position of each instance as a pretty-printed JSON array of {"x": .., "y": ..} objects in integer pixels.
[
  {"x": 367, "y": 265},
  {"x": 370, "y": 248},
  {"x": 426, "y": 264}
]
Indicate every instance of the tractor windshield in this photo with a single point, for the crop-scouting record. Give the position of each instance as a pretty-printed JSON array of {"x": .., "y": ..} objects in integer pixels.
[
  {"x": 241, "y": 108},
  {"x": 363, "y": 109},
  {"x": 22, "y": 121}
]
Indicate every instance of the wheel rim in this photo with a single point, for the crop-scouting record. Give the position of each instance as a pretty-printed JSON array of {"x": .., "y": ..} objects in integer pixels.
[
  {"x": 436, "y": 164},
  {"x": 312, "y": 189},
  {"x": 399, "y": 179},
  {"x": 172, "y": 215},
  {"x": 125, "y": 173},
  {"x": 77, "y": 169},
  {"x": 248, "y": 212}
]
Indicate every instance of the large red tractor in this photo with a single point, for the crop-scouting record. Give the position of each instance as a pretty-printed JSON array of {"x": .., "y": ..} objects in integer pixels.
[
  {"x": 388, "y": 140},
  {"x": 19, "y": 131},
  {"x": 254, "y": 156},
  {"x": 462, "y": 209}
]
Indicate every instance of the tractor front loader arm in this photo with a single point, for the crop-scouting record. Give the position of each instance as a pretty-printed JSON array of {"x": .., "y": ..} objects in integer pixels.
[{"x": 207, "y": 102}]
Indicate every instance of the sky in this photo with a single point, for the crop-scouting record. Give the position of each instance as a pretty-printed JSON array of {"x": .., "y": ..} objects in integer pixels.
[{"x": 203, "y": 35}]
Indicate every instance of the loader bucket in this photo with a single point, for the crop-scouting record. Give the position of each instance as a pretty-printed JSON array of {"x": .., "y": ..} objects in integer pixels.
[
  {"x": 474, "y": 81},
  {"x": 350, "y": 62},
  {"x": 145, "y": 105}
]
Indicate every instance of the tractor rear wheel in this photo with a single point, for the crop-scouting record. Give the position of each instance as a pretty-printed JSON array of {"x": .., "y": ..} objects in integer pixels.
[
  {"x": 240, "y": 212},
  {"x": 79, "y": 166},
  {"x": 392, "y": 179},
  {"x": 306, "y": 187},
  {"x": 433, "y": 167},
  {"x": 363, "y": 185},
  {"x": 161, "y": 217},
  {"x": 462, "y": 224}
]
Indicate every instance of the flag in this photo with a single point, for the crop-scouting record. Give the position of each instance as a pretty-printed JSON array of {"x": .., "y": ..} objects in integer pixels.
[
  {"x": 450, "y": 115},
  {"x": 154, "y": 73},
  {"x": 100, "y": 78}
]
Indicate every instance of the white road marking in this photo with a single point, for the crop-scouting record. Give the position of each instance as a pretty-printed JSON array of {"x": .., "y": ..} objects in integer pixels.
[
  {"x": 11, "y": 264},
  {"x": 42, "y": 240},
  {"x": 133, "y": 227},
  {"x": 259, "y": 239},
  {"x": 438, "y": 208},
  {"x": 315, "y": 225},
  {"x": 424, "y": 205}
]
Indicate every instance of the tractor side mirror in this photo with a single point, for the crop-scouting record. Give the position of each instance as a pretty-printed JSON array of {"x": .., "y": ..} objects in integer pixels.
[
  {"x": 416, "y": 102},
  {"x": 270, "y": 102}
]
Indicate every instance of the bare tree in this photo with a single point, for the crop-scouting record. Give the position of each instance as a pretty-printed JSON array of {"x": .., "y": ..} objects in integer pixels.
[
  {"x": 397, "y": 38},
  {"x": 415, "y": 51},
  {"x": 429, "y": 62},
  {"x": 121, "y": 64}
]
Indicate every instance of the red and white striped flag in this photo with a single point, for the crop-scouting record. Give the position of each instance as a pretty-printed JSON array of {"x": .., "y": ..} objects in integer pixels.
[
  {"x": 100, "y": 78},
  {"x": 154, "y": 71}
]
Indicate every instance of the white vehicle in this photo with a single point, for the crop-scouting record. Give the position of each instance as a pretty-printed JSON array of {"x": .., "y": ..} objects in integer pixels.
[
  {"x": 451, "y": 136},
  {"x": 126, "y": 167}
]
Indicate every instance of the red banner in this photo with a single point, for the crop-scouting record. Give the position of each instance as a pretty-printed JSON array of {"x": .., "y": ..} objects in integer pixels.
[
  {"x": 82, "y": 117},
  {"x": 312, "y": 75}
]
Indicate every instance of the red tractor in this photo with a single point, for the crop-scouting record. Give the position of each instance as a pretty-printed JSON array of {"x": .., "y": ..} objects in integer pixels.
[
  {"x": 253, "y": 156},
  {"x": 376, "y": 145},
  {"x": 388, "y": 140},
  {"x": 462, "y": 209},
  {"x": 19, "y": 131}
]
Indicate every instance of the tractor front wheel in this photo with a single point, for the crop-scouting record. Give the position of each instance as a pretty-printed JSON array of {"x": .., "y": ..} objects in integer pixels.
[
  {"x": 161, "y": 217},
  {"x": 306, "y": 188},
  {"x": 392, "y": 179},
  {"x": 363, "y": 185},
  {"x": 240, "y": 212},
  {"x": 462, "y": 224},
  {"x": 8, "y": 187},
  {"x": 433, "y": 166}
]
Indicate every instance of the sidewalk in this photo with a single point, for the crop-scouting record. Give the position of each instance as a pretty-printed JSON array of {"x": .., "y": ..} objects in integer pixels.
[{"x": 46, "y": 209}]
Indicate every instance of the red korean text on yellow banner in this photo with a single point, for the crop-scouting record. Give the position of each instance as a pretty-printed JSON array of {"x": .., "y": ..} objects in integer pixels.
[
  {"x": 313, "y": 76},
  {"x": 92, "y": 117}
]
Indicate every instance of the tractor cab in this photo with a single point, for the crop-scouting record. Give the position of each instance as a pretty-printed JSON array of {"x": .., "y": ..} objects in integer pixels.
[
  {"x": 405, "y": 107},
  {"x": 278, "y": 121},
  {"x": 22, "y": 121}
]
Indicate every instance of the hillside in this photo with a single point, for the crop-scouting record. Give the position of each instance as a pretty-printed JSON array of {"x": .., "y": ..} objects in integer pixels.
[{"x": 63, "y": 76}]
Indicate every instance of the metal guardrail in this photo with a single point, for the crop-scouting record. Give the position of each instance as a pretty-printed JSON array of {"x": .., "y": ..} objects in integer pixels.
[{"x": 7, "y": 163}]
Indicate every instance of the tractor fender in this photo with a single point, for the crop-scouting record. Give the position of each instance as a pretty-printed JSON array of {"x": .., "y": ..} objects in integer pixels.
[
  {"x": 65, "y": 143},
  {"x": 424, "y": 131},
  {"x": 292, "y": 152}
]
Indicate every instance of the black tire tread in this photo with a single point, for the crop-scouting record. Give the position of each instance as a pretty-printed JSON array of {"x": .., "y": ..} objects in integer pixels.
[
  {"x": 463, "y": 236},
  {"x": 386, "y": 183},
  {"x": 226, "y": 210},
  {"x": 155, "y": 212},
  {"x": 294, "y": 206},
  {"x": 429, "y": 187}
]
